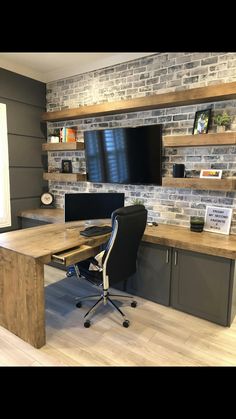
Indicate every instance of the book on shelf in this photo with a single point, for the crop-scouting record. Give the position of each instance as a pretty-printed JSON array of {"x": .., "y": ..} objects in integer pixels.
[{"x": 68, "y": 135}]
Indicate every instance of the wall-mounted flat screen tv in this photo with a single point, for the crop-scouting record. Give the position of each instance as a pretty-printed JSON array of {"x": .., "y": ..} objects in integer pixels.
[{"x": 124, "y": 155}]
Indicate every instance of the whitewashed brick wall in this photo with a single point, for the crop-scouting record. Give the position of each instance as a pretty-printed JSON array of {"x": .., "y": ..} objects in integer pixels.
[{"x": 157, "y": 73}]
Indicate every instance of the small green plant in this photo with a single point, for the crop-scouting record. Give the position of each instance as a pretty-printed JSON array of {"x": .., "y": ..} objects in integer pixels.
[
  {"x": 222, "y": 119},
  {"x": 137, "y": 201}
]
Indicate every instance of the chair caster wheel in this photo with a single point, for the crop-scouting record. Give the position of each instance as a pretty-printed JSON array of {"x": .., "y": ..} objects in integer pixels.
[
  {"x": 126, "y": 323},
  {"x": 79, "y": 304},
  {"x": 134, "y": 304},
  {"x": 87, "y": 323}
]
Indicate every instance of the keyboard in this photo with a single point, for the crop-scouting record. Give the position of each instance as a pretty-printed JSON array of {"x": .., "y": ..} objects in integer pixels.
[{"x": 96, "y": 231}]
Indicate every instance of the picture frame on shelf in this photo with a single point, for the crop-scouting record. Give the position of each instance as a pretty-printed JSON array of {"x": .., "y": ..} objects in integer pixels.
[
  {"x": 218, "y": 219},
  {"x": 201, "y": 121},
  {"x": 211, "y": 174},
  {"x": 66, "y": 166}
]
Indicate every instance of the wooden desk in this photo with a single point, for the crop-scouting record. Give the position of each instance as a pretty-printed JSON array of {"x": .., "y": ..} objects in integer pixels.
[
  {"x": 22, "y": 256},
  {"x": 24, "y": 252}
]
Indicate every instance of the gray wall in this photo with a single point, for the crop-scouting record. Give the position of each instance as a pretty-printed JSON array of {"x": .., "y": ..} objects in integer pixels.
[
  {"x": 157, "y": 73},
  {"x": 25, "y": 100}
]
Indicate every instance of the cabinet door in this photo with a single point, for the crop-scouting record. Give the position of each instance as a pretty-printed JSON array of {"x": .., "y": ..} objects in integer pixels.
[
  {"x": 200, "y": 285},
  {"x": 152, "y": 280}
]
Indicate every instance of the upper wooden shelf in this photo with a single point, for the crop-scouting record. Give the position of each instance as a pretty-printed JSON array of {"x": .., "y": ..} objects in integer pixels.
[
  {"x": 227, "y": 184},
  {"x": 65, "y": 177},
  {"x": 164, "y": 100},
  {"x": 63, "y": 146},
  {"x": 200, "y": 139}
]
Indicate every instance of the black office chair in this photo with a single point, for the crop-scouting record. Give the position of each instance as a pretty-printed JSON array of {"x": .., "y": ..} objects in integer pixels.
[{"x": 118, "y": 260}]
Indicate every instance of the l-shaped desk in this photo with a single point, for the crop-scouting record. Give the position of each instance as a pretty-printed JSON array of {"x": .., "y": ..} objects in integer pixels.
[{"x": 23, "y": 254}]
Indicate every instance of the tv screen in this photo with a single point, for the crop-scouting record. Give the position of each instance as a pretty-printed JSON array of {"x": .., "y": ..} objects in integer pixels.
[
  {"x": 91, "y": 206},
  {"x": 124, "y": 155}
]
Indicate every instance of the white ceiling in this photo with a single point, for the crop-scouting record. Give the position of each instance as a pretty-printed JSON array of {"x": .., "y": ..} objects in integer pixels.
[{"x": 52, "y": 66}]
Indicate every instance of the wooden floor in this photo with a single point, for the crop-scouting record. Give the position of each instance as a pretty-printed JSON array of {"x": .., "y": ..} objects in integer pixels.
[{"x": 157, "y": 336}]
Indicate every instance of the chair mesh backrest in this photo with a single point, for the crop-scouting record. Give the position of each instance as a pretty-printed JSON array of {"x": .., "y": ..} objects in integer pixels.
[{"x": 121, "y": 262}]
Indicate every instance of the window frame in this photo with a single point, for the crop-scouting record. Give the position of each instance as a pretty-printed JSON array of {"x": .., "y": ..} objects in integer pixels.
[{"x": 5, "y": 219}]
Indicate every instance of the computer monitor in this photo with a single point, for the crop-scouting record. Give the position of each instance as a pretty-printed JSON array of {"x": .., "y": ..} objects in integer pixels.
[{"x": 91, "y": 206}]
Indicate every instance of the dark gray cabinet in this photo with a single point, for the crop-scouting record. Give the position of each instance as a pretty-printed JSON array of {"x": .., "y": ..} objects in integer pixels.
[
  {"x": 199, "y": 284},
  {"x": 202, "y": 285},
  {"x": 152, "y": 280}
]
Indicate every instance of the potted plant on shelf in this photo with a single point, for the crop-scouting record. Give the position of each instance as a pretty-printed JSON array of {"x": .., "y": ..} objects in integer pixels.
[
  {"x": 222, "y": 120},
  {"x": 137, "y": 201}
]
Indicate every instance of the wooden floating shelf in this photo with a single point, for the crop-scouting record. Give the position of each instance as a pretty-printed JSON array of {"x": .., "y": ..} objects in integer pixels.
[
  {"x": 63, "y": 146},
  {"x": 164, "y": 100},
  {"x": 225, "y": 138},
  {"x": 65, "y": 177},
  {"x": 228, "y": 184}
]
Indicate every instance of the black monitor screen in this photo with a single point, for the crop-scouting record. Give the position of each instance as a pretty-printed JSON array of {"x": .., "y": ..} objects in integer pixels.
[
  {"x": 124, "y": 155},
  {"x": 91, "y": 206}
]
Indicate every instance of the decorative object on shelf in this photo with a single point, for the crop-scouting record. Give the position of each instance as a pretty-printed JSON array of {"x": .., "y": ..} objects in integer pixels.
[
  {"x": 66, "y": 166},
  {"x": 196, "y": 224},
  {"x": 218, "y": 219},
  {"x": 80, "y": 136},
  {"x": 222, "y": 120},
  {"x": 53, "y": 139},
  {"x": 55, "y": 136},
  {"x": 211, "y": 174},
  {"x": 201, "y": 121},
  {"x": 75, "y": 165},
  {"x": 52, "y": 169},
  {"x": 178, "y": 170},
  {"x": 137, "y": 201},
  {"x": 47, "y": 200}
]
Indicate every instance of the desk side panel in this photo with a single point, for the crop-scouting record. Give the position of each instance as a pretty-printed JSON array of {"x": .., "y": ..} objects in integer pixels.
[{"x": 22, "y": 307}]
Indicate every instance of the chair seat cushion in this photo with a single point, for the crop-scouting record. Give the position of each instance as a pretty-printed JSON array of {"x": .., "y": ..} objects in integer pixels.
[{"x": 95, "y": 277}]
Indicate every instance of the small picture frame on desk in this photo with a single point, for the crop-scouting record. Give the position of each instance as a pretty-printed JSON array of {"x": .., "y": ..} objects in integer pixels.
[
  {"x": 218, "y": 219},
  {"x": 66, "y": 166}
]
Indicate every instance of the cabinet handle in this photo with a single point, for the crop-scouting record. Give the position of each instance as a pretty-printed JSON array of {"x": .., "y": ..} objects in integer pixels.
[
  {"x": 176, "y": 258},
  {"x": 167, "y": 256}
]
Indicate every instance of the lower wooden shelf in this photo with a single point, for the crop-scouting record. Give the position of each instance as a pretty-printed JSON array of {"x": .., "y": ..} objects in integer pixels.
[
  {"x": 63, "y": 146},
  {"x": 227, "y": 184},
  {"x": 65, "y": 177}
]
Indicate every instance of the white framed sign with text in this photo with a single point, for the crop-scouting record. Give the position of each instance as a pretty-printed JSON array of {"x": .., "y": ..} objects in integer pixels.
[{"x": 218, "y": 219}]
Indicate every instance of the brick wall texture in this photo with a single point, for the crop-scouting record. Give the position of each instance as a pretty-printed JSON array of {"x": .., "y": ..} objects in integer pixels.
[{"x": 157, "y": 73}]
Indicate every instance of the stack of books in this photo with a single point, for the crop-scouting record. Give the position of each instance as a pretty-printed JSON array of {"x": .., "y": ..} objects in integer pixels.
[{"x": 67, "y": 135}]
